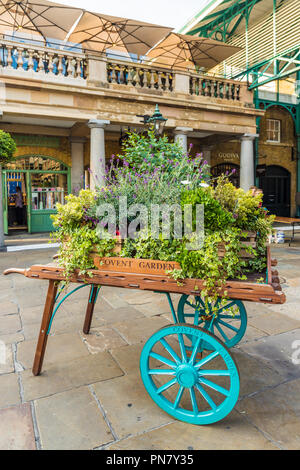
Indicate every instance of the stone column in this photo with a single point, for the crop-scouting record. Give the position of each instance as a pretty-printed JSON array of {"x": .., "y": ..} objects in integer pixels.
[
  {"x": 77, "y": 171},
  {"x": 206, "y": 151},
  {"x": 247, "y": 166},
  {"x": 97, "y": 158},
  {"x": 181, "y": 136}
]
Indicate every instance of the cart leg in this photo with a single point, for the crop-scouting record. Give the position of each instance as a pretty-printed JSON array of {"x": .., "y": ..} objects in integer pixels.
[
  {"x": 90, "y": 309},
  {"x": 43, "y": 336}
]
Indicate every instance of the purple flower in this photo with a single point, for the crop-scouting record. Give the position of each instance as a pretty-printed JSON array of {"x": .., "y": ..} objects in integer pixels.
[{"x": 234, "y": 171}]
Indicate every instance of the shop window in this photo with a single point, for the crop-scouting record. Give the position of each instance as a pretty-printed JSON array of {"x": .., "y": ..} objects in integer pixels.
[{"x": 273, "y": 130}]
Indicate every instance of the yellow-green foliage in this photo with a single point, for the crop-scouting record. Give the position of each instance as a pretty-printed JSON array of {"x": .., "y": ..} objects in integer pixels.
[{"x": 71, "y": 213}]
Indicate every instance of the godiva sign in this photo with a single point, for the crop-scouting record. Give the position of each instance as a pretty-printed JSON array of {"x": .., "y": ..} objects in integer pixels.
[{"x": 228, "y": 157}]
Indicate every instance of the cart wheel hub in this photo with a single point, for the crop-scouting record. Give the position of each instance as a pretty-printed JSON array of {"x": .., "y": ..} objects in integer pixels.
[{"x": 186, "y": 375}]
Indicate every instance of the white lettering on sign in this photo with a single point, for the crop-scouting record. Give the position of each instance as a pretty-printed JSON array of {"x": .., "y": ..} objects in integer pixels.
[{"x": 228, "y": 156}]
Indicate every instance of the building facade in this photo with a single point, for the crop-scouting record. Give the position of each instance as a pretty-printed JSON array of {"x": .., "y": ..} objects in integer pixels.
[
  {"x": 268, "y": 32},
  {"x": 68, "y": 112}
]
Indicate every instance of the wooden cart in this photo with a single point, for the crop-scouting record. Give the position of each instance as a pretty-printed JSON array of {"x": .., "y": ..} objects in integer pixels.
[{"x": 186, "y": 367}]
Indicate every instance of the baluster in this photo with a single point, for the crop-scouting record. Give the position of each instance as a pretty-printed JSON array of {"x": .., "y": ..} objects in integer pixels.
[
  {"x": 9, "y": 57},
  {"x": 237, "y": 90},
  {"x": 60, "y": 66},
  {"x": 30, "y": 59},
  {"x": 159, "y": 82},
  {"x": 78, "y": 68},
  {"x": 167, "y": 87},
  {"x": 50, "y": 62},
  {"x": 40, "y": 66},
  {"x": 129, "y": 76},
  {"x": 152, "y": 79},
  {"x": 19, "y": 57},
  {"x": 70, "y": 67}
]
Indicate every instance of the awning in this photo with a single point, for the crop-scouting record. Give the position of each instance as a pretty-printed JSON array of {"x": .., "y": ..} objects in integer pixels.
[{"x": 185, "y": 52}]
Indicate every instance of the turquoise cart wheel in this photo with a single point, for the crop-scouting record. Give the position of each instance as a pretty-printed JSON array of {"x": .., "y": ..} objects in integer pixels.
[
  {"x": 229, "y": 323},
  {"x": 195, "y": 386}
]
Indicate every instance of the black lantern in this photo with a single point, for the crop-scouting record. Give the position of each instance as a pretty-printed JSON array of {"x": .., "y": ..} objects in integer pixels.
[{"x": 157, "y": 120}]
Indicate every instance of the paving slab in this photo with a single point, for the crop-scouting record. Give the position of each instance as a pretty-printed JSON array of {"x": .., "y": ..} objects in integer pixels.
[
  {"x": 102, "y": 339},
  {"x": 128, "y": 406},
  {"x": 128, "y": 357},
  {"x": 10, "y": 324},
  {"x": 71, "y": 420},
  {"x": 60, "y": 348},
  {"x": 273, "y": 323},
  {"x": 277, "y": 351},
  {"x": 255, "y": 374},
  {"x": 16, "y": 428},
  {"x": 276, "y": 412},
  {"x": 7, "y": 362},
  {"x": 7, "y": 307},
  {"x": 141, "y": 329},
  {"x": 233, "y": 433},
  {"x": 9, "y": 387},
  {"x": 64, "y": 376},
  {"x": 115, "y": 315}
]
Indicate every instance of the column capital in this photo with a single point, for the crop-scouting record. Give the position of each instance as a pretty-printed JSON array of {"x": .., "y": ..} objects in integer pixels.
[
  {"x": 183, "y": 130},
  {"x": 249, "y": 137},
  {"x": 98, "y": 123}
]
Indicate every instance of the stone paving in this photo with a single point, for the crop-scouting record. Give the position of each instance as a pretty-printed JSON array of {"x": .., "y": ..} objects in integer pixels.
[{"x": 90, "y": 395}]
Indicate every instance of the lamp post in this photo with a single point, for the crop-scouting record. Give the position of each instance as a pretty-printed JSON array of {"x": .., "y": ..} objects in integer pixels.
[{"x": 156, "y": 119}]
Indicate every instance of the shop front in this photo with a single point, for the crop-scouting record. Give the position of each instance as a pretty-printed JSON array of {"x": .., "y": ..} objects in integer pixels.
[{"x": 32, "y": 186}]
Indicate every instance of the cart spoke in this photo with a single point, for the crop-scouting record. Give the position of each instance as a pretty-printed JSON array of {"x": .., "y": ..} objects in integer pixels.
[
  {"x": 191, "y": 305},
  {"x": 182, "y": 348},
  {"x": 222, "y": 373},
  {"x": 161, "y": 372},
  {"x": 170, "y": 351},
  {"x": 162, "y": 359},
  {"x": 221, "y": 332},
  {"x": 166, "y": 386},
  {"x": 206, "y": 397},
  {"x": 214, "y": 386},
  {"x": 194, "y": 353},
  {"x": 231, "y": 304},
  {"x": 193, "y": 400},
  {"x": 228, "y": 325},
  {"x": 230, "y": 317},
  {"x": 206, "y": 359},
  {"x": 178, "y": 397}
]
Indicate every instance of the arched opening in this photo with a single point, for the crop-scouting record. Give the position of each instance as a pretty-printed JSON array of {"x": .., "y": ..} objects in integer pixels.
[
  {"x": 230, "y": 169},
  {"x": 32, "y": 186},
  {"x": 276, "y": 186}
]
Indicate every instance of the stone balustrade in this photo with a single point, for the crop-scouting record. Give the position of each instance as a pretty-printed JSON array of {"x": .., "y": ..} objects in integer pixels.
[
  {"x": 215, "y": 87},
  {"x": 140, "y": 76},
  {"x": 96, "y": 70},
  {"x": 30, "y": 58}
]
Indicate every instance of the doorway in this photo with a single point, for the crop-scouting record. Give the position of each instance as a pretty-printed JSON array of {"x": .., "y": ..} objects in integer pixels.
[
  {"x": 276, "y": 186},
  {"x": 16, "y": 196}
]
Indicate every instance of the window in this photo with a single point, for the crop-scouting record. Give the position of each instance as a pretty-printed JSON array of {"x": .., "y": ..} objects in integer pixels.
[{"x": 273, "y": 130}]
